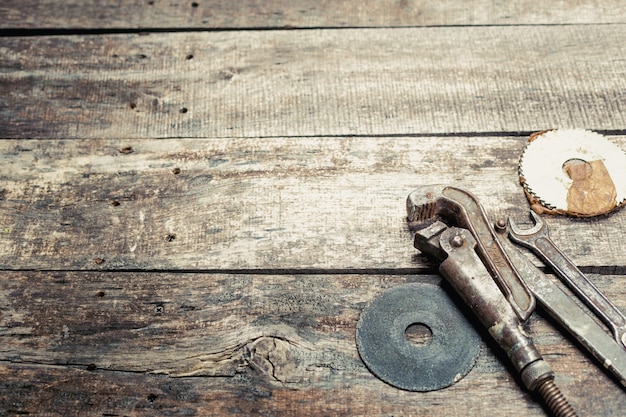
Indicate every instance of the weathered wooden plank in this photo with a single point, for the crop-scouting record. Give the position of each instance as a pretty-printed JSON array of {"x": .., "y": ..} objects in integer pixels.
[
  {"x": 212, "y": 14},
  {"x": 71, "y": 391},
  {"x": 314, "y": 82},
  {"x": 227, "y": 344},
  {"x": 281, "y": 204}
]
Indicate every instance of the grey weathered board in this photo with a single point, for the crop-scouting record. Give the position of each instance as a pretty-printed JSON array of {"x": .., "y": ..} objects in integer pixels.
[
  {"x": 314, "y": 82},
  {"x": 139, "y": 343},
  {"x": 215, "y": 14},
  {"x": 192, "y": 221},
  {"x": 257, "y": 204}
]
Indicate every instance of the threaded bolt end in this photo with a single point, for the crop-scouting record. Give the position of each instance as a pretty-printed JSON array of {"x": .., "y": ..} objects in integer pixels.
[
  {"x": 554, "y": 399},
  {"x": 536, "y": 372}
]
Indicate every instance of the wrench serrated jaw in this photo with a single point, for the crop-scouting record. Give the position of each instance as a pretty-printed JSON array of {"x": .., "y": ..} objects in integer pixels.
[{"x": 421, "y": 204}]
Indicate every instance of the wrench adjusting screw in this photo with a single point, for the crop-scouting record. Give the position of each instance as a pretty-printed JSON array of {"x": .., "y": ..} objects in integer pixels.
[{"x": 554, "y": 399}]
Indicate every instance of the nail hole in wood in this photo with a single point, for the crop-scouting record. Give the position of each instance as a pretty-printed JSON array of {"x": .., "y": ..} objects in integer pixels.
[
  {"x": 151, "y": 398},
  {"x": 126, "y": 149},
  {"x": 190, "y": 56},
  {"x": 91, "y": 367},
  {"x": 170, "y": 237},
  {"x": 100, "y": 294},
  {"x": 133, "y": 105},
  {"x": 98, "y": 261},
  {"x": 176, "y": 171},
  {"x": 194, "y": 4},
  {"x": 115, "y": 203},
  {"x": 184, "y": 110}
]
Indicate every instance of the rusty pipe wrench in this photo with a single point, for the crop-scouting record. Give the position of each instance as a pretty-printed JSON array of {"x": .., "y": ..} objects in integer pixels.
[
  {"x": 452, "y": 206},
  {"x": 433, "y": 213},
  {"x": 460, "y": 264},
  {"x": 462, "y": 209},
  {"x": 538, "y": 240}
]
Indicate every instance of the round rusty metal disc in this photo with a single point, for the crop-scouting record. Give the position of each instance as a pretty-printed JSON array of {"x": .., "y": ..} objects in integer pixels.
[
  {"x": 385, "y": 349},
  {"x": 573, "y": 172}
]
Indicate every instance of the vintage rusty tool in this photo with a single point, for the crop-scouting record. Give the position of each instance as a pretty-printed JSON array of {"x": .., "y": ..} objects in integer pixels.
[
  {"x": 433, "y": 213},
  {"x": 562, "y": 308},
  {"x": 464, "y": 210},
  {"x": 446, "y": 220},
  {"x": 538, "y": 240}
]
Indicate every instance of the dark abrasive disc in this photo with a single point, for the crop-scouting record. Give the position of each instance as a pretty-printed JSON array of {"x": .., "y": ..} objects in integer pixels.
[{"x": 388, "y": 353}]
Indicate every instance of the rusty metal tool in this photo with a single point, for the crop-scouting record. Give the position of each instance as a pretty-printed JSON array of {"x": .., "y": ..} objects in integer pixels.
[
  {"x": 462, "y": 209},
  {"x": 451, "y": 226},
  {"x": 569, "y": 314},
  {"x": 537, "y": 239}
]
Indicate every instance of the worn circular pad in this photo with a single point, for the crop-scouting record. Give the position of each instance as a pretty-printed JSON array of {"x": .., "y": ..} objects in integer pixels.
[
  {"x": 388, "y": 354},
  {"x": 573, "y": 172}
]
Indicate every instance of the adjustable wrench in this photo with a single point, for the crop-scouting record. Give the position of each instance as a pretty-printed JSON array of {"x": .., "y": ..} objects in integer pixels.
[
  {"x": 474, "y": 262},
  {"x": 461, "y": 266},
  {"x": 538, "y": 240},
  {"x": 462, "y": 209},
  {"x": 433, "y": 211}
]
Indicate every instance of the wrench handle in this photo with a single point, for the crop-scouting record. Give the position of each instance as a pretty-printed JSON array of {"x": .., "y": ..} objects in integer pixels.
[
  {"x": 582, "y": 287},
  {"x": 465, "y": 271}
]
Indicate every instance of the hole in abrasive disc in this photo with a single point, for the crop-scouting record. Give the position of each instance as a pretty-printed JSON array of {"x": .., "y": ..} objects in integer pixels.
[{"x": 418, "y": 334}]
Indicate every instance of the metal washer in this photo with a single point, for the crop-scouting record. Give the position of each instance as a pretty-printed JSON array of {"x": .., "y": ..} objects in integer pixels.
[{"x": 385, "y": 350}]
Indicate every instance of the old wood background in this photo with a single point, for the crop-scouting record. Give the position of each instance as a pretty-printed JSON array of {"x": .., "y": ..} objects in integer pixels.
[{"x": 198, "y": 199}]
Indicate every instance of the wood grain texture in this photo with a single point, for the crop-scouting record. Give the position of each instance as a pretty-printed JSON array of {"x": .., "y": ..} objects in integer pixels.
[
  {"x": 314, "y": 82},
  {"x": 195, "y": 210},
  {"x": 206, "y": 344},
  {"x": 271, "y": 204},
  {"x": 213, "y": 14}
]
